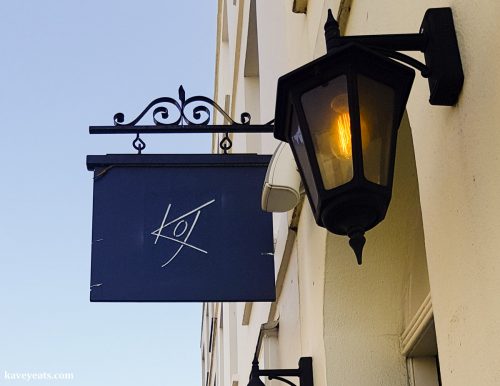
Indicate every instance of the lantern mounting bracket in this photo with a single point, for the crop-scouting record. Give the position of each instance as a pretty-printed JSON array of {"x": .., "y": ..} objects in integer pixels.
[
  {"x": 190, "y": 115},
  {"x": 424, "y": 70},
  {"x": 436, "y": 39},
  {"x": 304, "y": 373}
]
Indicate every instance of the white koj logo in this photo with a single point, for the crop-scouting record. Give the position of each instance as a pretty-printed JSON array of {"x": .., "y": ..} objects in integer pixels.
[{"x": 179, "y": 230}]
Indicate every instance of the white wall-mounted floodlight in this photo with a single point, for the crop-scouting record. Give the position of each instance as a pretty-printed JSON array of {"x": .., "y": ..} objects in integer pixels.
[{"x": 281, "y": 191}]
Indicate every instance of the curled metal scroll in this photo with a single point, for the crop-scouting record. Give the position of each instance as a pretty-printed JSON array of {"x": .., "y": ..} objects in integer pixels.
[{"x": 190, "y": 111}]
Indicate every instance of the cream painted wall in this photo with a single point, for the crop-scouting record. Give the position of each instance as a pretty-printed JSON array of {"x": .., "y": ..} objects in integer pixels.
[
  {"x": 350, "y": 318},
  {"x": 367, "y": 307},
  {"x": 229, "y": 344},
  {"x": 311, "y": 250},
  {"x": 456, "y": 150},
  {"x": 289, "y": 349},
  {"x": 300, "y": 331}
]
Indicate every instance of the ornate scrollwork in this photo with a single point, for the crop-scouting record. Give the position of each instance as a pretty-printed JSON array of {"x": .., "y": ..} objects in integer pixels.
[
  {"x": 191, "y": 111},
  {"x": 182, "y": 115}
]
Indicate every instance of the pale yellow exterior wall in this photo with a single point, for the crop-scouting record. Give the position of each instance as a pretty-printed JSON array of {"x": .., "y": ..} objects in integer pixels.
[
  {"x": 368, "y": 307},
  {"x": 436, "y": 253}
]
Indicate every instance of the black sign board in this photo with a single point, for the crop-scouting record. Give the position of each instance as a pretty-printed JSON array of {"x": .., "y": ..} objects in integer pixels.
[{"x": 180, "y": 228}]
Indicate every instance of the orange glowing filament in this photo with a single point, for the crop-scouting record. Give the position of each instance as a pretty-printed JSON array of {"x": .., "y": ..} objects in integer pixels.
[{"x": 341, "y": 139}]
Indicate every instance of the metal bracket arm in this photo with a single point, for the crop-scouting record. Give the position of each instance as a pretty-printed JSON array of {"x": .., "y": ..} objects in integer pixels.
[
  {"x": 436, "y": 39},
  {"x": 304, "y": 373}
]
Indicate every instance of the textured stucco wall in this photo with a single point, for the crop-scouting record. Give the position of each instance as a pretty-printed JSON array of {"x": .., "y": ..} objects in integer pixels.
[
  {"x": 445, "y": 208},
  {"x": 456, "y": 151},
  {"x": 365, "y": 305}
]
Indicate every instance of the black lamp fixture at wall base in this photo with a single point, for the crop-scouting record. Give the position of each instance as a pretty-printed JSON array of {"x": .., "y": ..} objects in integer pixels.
[
  {"x": 304, "y": 373},
  {"x": 340, "y": 114}
]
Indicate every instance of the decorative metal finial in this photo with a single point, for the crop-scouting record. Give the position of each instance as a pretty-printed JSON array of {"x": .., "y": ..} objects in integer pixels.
[
  {"x": 357, "y": 242},
  {"x": 332, "y": 31}
]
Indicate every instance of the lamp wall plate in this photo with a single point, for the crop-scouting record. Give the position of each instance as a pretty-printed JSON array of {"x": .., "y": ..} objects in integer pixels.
[{"x": 442, "y": 57}]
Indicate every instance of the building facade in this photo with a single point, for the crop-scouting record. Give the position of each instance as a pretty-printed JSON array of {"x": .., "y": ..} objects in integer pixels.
[{"x": 423, "y": 308}]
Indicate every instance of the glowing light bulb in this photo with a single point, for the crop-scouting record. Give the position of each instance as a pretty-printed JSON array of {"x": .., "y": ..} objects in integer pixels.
[
  {"x": 340, "y": 137},
  {"x": 340, "y": 129},
  {"x": 341, "y": 140}
]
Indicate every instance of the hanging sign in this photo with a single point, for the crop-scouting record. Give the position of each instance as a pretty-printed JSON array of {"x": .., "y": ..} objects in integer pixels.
[{"x": 180, "y": 228}]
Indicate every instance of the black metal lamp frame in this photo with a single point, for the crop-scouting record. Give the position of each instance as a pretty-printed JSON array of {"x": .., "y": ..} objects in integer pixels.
[
  {"x": 304, "y": 373},
  {"x": 359, "y": 204},
  {"x": 436, "y": 39}
]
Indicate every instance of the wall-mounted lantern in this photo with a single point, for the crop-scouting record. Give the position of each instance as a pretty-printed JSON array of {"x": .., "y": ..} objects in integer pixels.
[{"x": 341, "y": 113}]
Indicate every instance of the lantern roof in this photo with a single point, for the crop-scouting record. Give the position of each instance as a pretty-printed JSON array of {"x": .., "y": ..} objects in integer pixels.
[{"x": 349, "y": 59}]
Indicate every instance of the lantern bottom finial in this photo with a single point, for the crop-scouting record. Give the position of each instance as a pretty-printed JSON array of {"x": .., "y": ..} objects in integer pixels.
[
  {"x": 357, "y": 242},
  {"x": 353, "y": 214}
]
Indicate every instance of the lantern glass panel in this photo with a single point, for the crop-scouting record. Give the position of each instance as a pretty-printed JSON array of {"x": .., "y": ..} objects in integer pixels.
[
  {"x": 301, "y": 153},
  {"x": 376, "y": 108},
  {"x": 326, "y": 109}
]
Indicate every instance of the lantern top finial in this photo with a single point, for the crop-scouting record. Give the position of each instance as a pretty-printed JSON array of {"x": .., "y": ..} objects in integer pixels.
[{"x": 332, "y": 30}]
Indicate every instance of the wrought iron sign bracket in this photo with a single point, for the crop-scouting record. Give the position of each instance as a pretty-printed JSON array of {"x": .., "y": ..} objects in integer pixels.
[{"x": 191, "y": 115}]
